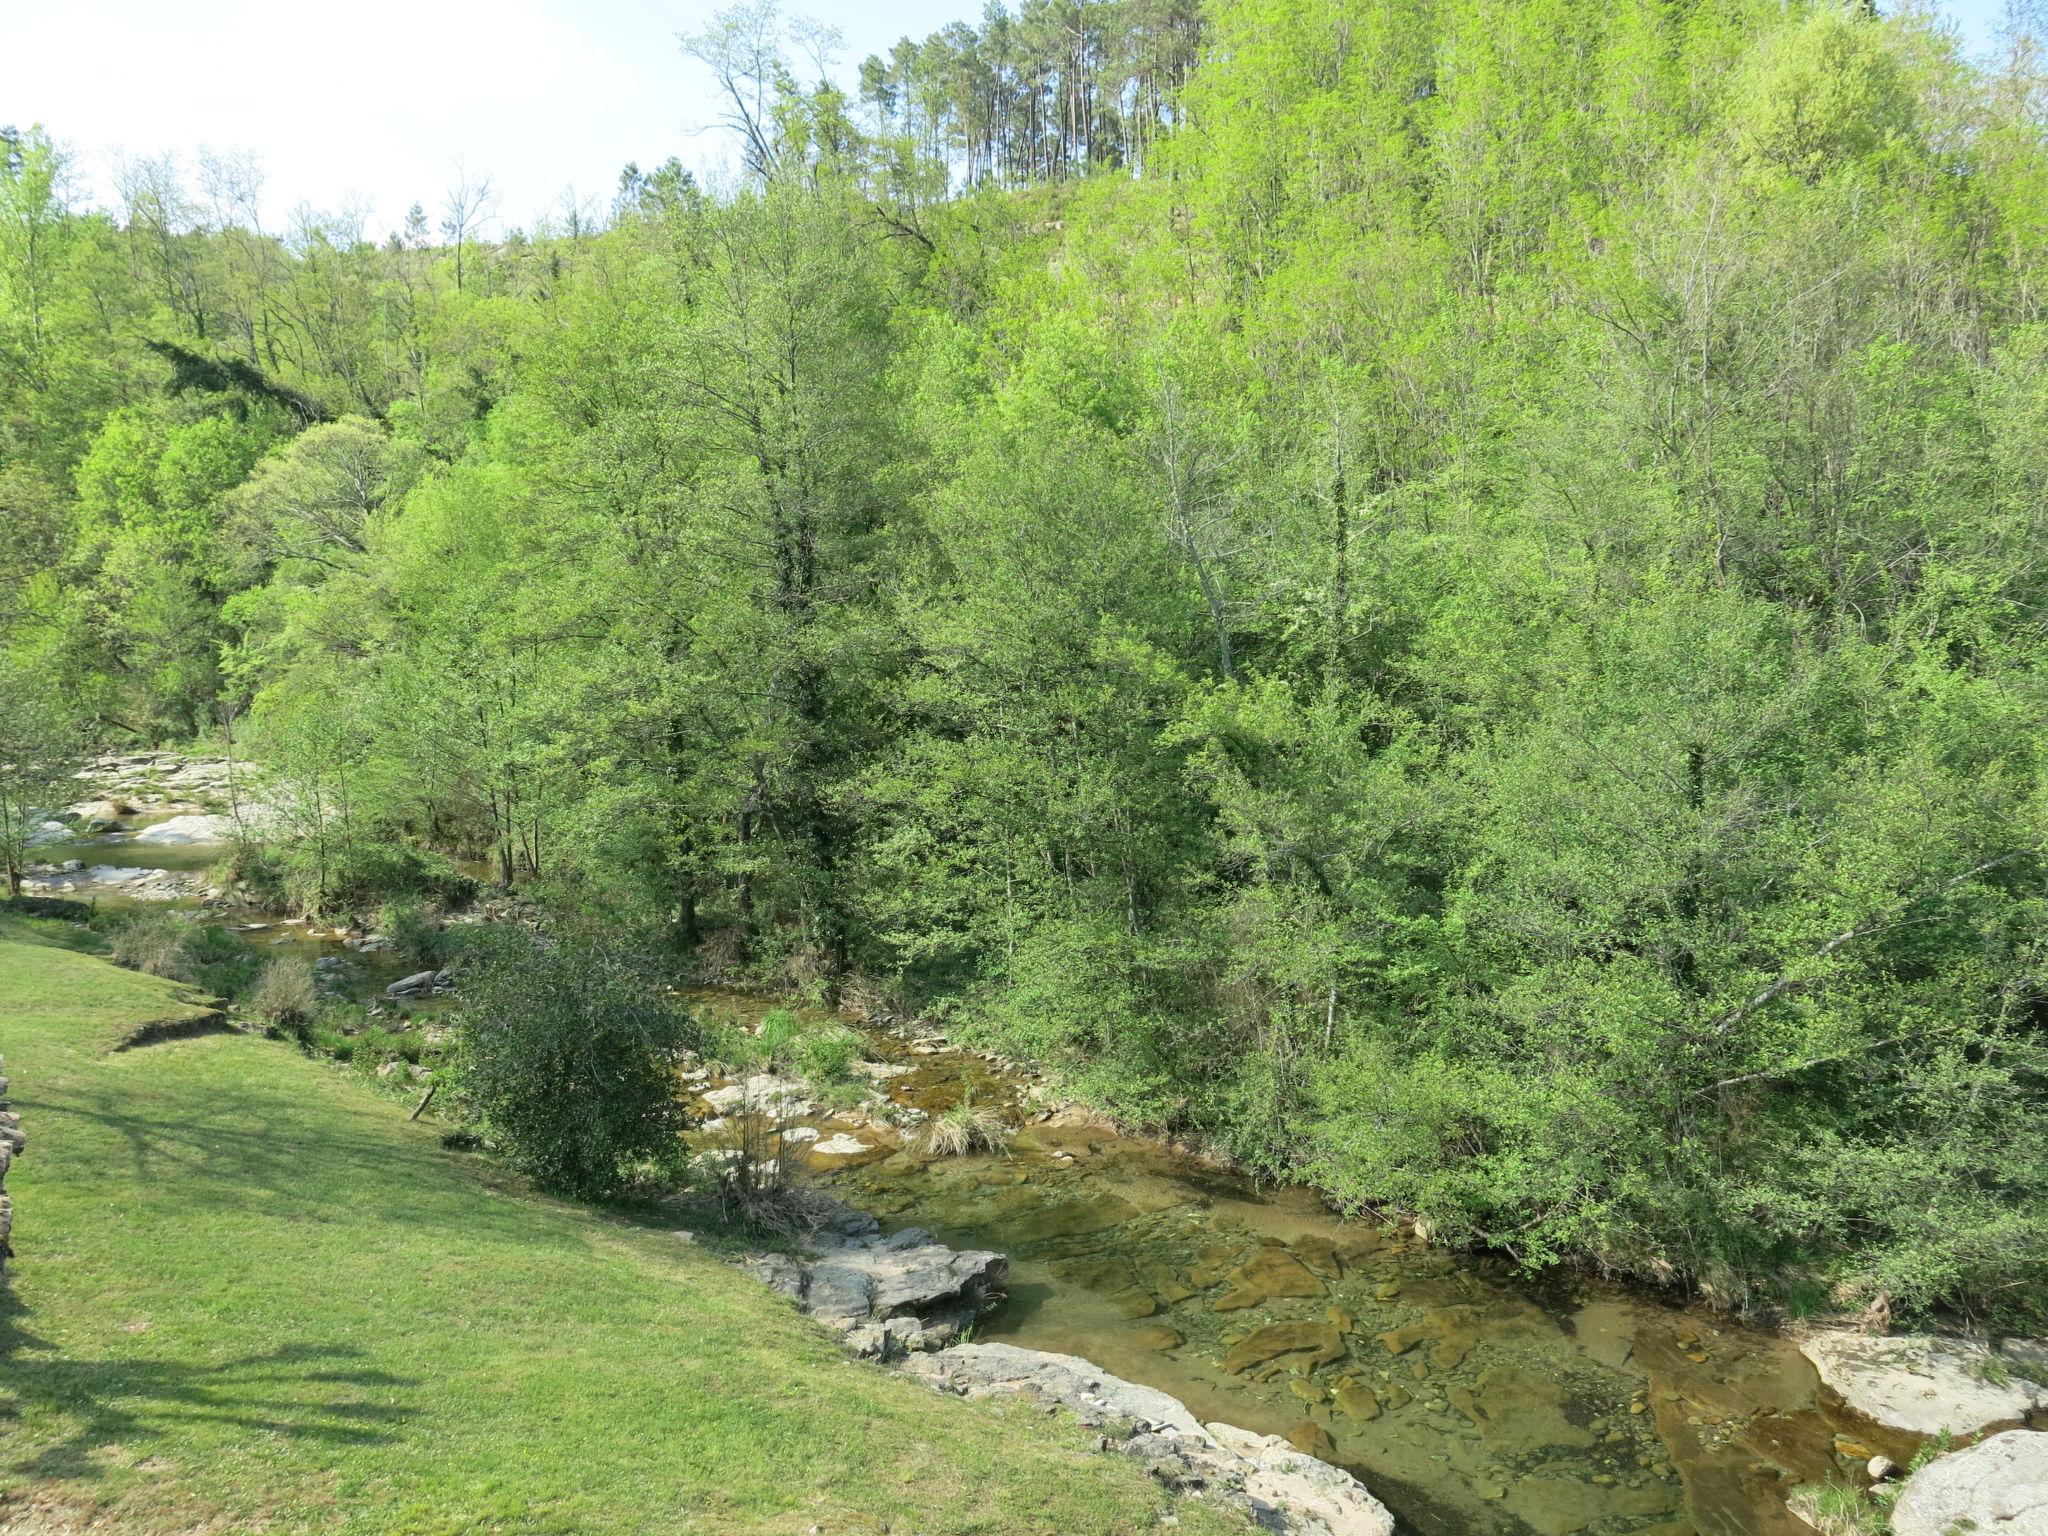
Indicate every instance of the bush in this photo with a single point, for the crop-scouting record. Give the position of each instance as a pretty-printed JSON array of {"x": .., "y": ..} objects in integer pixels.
[
  {"x": 776, "y": 1039},
  {"x": 827, "y": 1055},
  {"x": 566, "y": 1054},
  {"x": 153, "y": 942},
  {"x": 218, "y": 960},
  {"x": 962, "y": 1129},
  {"x": 284, "y": 997},
  {"x": 416, "y": 931}
]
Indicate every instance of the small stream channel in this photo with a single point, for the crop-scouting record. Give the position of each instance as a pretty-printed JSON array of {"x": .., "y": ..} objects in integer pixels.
[{"x": 1471, "y": 1399}]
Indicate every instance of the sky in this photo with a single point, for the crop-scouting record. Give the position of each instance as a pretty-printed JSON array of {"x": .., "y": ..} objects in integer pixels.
[{"x": 382, "y": 103}]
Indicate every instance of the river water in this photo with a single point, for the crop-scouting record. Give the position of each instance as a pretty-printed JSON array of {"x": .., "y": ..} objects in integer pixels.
[{"x": 1472, "y": 1399}]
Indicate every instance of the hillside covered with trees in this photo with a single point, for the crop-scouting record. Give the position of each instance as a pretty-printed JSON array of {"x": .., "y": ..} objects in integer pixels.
[{"x": 1446, "y": 595}]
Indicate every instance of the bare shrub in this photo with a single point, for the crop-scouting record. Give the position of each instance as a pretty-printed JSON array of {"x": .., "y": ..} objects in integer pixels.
[
  {"x": 284, "y": 996},
  {"x": 152, "y": 942}
]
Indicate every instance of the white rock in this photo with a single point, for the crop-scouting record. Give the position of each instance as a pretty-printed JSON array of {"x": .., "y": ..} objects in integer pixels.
[
  {"x": 180, "y": 830},
  {"x": 1921, "y": 1384},
  {"x": 1288, "y": 1491},
  {"x": 764, "y": 1092},
  {"x": 1299, "y": 1488},
  {"x": 839, "y": 1144},
  {"x": 1998, "y": 1487}
]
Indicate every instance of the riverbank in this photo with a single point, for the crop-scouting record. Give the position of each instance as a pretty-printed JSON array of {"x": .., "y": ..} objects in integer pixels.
[
  {"x": 248, "y": 1294},
  {"x": 1473, "y": 1398}
]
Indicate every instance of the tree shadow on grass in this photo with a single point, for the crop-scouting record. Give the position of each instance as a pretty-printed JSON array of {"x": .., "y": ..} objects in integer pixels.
[{"x": 299, "y": 1392}]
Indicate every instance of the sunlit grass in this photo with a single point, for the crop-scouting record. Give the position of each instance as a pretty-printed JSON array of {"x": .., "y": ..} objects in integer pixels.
[{"x": 248, "y": 1292}]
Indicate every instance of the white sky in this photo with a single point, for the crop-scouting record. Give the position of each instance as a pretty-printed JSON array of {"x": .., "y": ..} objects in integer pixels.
[{"x": 380, "y": 101}]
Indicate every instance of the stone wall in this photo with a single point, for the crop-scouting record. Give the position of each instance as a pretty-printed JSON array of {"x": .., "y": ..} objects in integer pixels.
[{"x": 11, "y": 1143}]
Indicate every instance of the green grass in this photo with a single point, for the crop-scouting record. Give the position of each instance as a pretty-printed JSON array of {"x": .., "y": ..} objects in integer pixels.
[{"x": 248, "y": 1294}]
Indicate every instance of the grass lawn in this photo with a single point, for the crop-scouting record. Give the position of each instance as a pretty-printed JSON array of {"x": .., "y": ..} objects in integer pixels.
[{"x": 250, "y": 1296}]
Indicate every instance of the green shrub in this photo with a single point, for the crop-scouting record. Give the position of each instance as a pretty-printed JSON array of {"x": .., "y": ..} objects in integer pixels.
[
  {"x": 415, "y": 931},
  {"x": 219, "y": 960},
  {"x": 566, "y": 1053},
  {"x": 775, "y": 1041},
  {"x": 827, "y": 1055}
]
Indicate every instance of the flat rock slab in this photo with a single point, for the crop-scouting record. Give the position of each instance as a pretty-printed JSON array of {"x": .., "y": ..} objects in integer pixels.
[
  {"x": 1922, "y": 1384},
  {"x": 182, "y": 830},
  {"x": 1320, "y": 1341},
  {"x": 1098, "y": 1398},
  {"x": 1300, "y": 1493},
  {"x": 1282, "y": 1488},
  {"x": 857, "y": 1277},
  {"x": 1998, "y": 1487},
  {"x": 1266, "y": 1274}
]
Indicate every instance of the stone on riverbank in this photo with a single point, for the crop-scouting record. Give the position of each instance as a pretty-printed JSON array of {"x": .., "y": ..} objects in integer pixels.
[
  {"x": 1285, "y": 1490},
  {"x": 1921, "y": 1384},
  {"x": 889, "y": 1295},
  {"x": 1999, "y": 1485}
]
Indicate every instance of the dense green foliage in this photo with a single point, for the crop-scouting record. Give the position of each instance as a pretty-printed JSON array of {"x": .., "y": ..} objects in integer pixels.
[
  {"x": 1474, "y": 632},
  {"x": 567, "y": 1053}
]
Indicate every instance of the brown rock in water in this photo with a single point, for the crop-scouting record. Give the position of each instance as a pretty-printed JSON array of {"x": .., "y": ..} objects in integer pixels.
[
  {"x": 1158, "y": 1338},
  {"x": 1307, "y": 1390},
  {"x": 1322, "y": 1343},
  {"x": 1340, "y": 1319},
  {"x": 1398, "y": 1341},
  {"x": 1355, "y": 1400},
  {"x": 1162, "y": 1282},
  {"x": 1311, "y": 1439},
  {"x": 1320, "y": 1255},
  {"x": 1266, "y": 1274},
  {"x": 1133, "y": 1304}
]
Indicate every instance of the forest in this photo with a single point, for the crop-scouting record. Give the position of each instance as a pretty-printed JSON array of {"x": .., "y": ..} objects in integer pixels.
[{"x": 1444, "y": 597}]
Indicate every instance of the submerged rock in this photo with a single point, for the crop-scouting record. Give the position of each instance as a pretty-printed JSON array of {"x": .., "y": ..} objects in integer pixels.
[
  {"x": 1320, "y": 1341},
  {"x": 1999, "y": 1485},
  {"x": 1268, "y": 1273},
  {"x": 1922, "y": 1384}
]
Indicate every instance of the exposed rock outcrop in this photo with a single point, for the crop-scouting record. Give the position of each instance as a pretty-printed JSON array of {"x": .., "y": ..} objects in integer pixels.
[
  {"x": 194, "y": 828},
  {"x": 1922, "y": 1384},
  {"x": 892, "y": 1295},
  {"x": 1997, "y": 1486},
  {"x": 1284, "y": 1489}
]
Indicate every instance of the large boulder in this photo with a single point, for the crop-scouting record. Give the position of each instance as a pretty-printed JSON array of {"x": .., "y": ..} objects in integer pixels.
[
  {"x": 181, "y": 831},
  {"x": 906, "y": 1274},
  {"x": 1998, "y": 1487},
  {"x": 419, "y": 984},
  {"x": 889, "y": 1295},
  {"x": 1922, "y": 1384}
]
